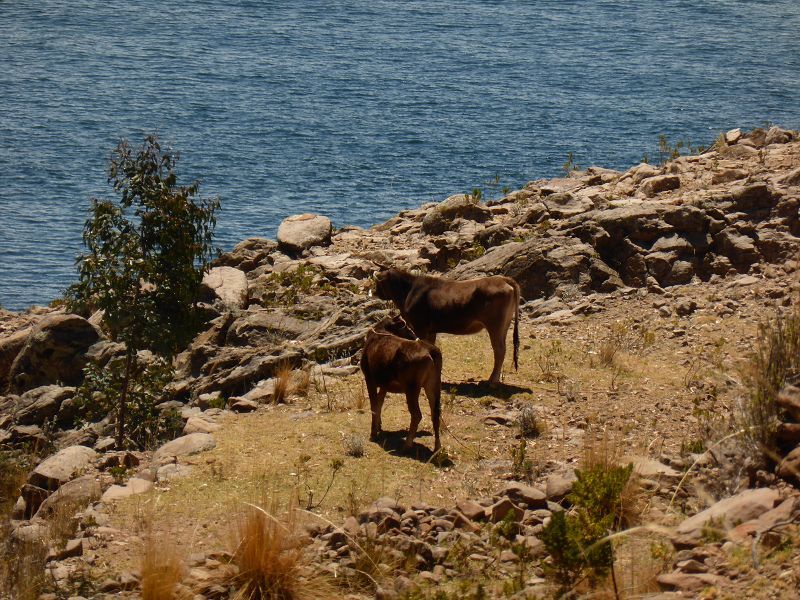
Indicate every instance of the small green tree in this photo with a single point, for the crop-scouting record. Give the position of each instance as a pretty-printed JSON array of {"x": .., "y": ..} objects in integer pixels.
[
  {"x": 146, "y": 255},
  {"x": 576, "y": 540}
]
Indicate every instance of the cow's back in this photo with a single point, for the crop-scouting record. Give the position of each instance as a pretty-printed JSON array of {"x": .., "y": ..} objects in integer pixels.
[{"x": 445, "y": 306}]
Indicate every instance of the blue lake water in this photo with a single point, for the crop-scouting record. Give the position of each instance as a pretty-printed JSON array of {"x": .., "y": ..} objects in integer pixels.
[{"x": 358, "y": 109}]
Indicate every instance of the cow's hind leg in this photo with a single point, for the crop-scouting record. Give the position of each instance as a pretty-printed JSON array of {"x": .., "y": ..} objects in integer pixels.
[
  {"x": 497, "y": 335},
  {"x": 412, "y": 399}
]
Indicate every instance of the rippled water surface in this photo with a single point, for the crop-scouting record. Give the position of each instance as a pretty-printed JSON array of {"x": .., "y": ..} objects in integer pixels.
[{"x": 358, "y": 109}]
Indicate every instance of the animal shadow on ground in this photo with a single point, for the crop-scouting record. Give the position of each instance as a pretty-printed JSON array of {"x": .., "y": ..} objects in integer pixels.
[
  {"x": 479, "y": 389},
  {"x": 393, "y": 441}
]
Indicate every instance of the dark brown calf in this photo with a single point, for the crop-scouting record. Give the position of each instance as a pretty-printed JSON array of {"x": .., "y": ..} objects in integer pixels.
[{"x": 394, "y": 360}]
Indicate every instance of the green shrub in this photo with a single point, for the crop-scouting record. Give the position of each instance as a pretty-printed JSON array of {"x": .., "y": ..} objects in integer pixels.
[
  {"x": 99, "y": 396},
  {"x": 575, "y": 540}
]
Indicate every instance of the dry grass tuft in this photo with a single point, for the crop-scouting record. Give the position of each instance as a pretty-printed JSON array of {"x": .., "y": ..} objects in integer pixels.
[
  {"x": 22, "y": 568},
  {"x": 283, "y": 380},
  {"x": 774, "y": 362},
  {"x": 529, "y": 425},
  {"x": 612, "y": 344},
  {"x": 360, "y": 397},
  {"x": 13, "y": 473},
  {"x": 602, "y": 457},
  {"x": 301, "y": 382},
  {"x": 271, "y": 559},
  {"x": 161, "y": 569}
]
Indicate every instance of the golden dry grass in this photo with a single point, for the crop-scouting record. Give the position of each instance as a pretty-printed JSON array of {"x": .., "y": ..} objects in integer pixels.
[
  {"x": 268, "y": 550},
  {"x": 283, "y": 379},
  {"x": 161, "y": 568}
]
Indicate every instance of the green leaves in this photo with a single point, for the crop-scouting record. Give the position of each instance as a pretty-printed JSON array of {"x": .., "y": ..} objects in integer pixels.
[
  {"x": 146, "y": 254},
  {"x": 100, "y": 394},
  {"x": 145, "y": 258},
  {"x": 575, "y": 540}
]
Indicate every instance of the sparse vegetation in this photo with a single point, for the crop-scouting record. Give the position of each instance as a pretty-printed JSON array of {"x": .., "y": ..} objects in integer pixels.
[
  {"x": 570, "y": 165},
  {"x": 604, "y": 501},
  {"x": 101, "y": 391},
  {"x": 774, "y": 362},
  {"x": 521, "y": 465}
]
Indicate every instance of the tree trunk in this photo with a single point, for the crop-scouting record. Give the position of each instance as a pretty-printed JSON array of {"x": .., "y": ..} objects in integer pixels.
[{"x": 123, "y": 399}]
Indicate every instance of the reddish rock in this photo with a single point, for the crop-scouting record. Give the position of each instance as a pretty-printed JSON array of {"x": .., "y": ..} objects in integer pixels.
[
  {"x": 688, "y": 581},
  {"x": 521, "y": 493},
  {"x": 472, "y": 510},
  {"x": 725, "y": 514},
  {"x": 502, "y": 508}
]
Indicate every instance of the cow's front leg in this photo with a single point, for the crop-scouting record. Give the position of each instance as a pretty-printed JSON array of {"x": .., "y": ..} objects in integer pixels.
[{"x": 412, "y": 399}]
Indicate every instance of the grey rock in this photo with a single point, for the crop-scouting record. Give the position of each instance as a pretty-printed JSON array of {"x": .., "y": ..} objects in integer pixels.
[
  {"x": 185, "y": 445},
  {"x": 662, "y": 183},
  {"x": 300, "y": 232},
  {"x": 41, "y": 403},
  {"x": 78, "y": 493},
  {"x": 226, "y": 284},
  {"x": 62, "y": 466},
  {"x": 460, "y": 206}
]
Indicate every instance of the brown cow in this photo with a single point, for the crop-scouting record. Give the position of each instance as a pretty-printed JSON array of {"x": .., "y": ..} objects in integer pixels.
[
  {"x": 434, "y": 305},
  {"x": 394, "y": 360}
]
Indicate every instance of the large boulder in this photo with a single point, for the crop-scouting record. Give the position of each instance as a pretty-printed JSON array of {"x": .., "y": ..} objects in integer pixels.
[
  {"x": 542, "y": 265},
  {"x": 266, "y": 327},
  {"x": 739, "y": 248},
  {"x": 661, "y": 183},
  {"x": 185, "y": 445},
  {"x": 300, "y": 232},
  {"x": 58, "y": 469},
  {"x": 79, "y": 492},
  {"x": 757, "y": 196},
  {"x": 39, "y": 404},
  {"x": 226, "y": 284},
  {"x": 248, "y": 254},
  {"x": 460, "y": 206},
  {"x": 54, "y": 352}
]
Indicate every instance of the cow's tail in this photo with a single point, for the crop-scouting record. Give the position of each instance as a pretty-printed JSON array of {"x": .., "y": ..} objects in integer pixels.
[{"x": 516, "y": 324}]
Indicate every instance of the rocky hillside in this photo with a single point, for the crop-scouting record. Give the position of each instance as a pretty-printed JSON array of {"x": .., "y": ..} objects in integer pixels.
[{"x": 646, "y": 284}]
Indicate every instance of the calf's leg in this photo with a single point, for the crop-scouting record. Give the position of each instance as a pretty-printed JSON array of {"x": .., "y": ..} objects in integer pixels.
[
  {"x": 412, "y": 399},
  {"x": 376, "y": 397},
  {"x": 433, "y": 390}
]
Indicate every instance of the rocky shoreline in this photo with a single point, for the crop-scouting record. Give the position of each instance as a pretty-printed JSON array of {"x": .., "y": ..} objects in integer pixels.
[{"x": 729, "y": 216}]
